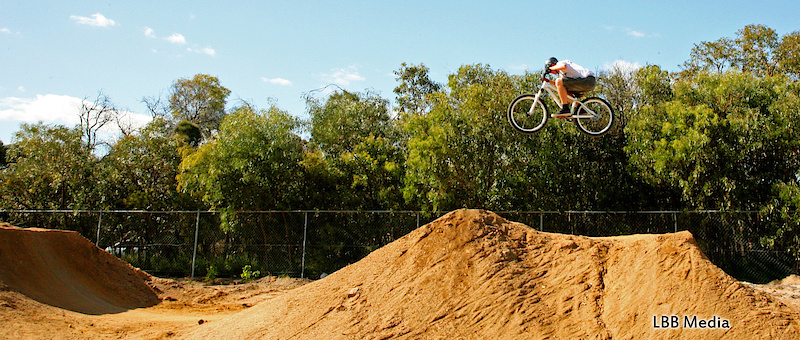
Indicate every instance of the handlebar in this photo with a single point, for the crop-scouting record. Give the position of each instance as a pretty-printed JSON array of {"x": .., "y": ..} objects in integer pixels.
[{"x": 546, "y": 73}]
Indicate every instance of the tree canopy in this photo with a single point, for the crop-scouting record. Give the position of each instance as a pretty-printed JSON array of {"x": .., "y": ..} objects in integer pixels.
[
  {"x": 718, "y": 134},
  {"x": 200, "y": 100},
  {"x": 756, "y": 49}
]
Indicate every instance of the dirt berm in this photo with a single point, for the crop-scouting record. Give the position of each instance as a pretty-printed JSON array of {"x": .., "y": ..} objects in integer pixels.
[
  {"x": 65, "y": 270},
  {"x": 473, "y": 275}
]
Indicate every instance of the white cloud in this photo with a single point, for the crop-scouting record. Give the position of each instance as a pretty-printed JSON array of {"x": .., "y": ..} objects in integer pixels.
[
  {"x": 630, "y": 32},
  {"x": 179, "y": 39},
  {"x": 205, "y": 50},
  {"x": 343, "y": 77},
  {"x": 21, "y": 88},
  {"x": 49, "y": 108},
  {"x": 176, "y": 38},
  {"x": 97, "y": 20},
  {"x": 623, "y": 67},
  {"x": 519, "y": 67},
  {"x": 277, "y": 81},
  {"x": 8, "y": 31},
  {"x": 636, "y": 34},
  {"x": 59, "y": 109}
]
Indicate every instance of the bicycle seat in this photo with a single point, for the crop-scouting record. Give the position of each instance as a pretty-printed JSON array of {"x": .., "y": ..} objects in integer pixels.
[{"x": 577, "y": 94}]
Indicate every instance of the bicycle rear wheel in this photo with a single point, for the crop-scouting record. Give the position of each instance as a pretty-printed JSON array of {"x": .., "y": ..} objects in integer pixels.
[
  {"x": 595, "y": 116},
  {"x": 527, "y": 116}
]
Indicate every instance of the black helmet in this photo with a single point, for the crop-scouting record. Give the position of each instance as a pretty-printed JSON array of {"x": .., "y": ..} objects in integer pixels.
[{"x": 550, "y": 62}]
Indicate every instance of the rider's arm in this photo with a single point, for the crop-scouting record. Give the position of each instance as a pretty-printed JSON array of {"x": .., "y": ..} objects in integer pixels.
[
  {"x": 555, "y": 68},
  {"x": 558, "y": 66}
]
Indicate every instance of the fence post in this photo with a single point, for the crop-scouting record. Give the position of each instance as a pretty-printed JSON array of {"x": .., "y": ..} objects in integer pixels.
[
  {"x": 675, "y": 220},
  {"x": 196, "y": 231},
  {"x": 99, "y": 223},
  {"x": 541, "y": 221},
  {"x": 571, "y": 225},
  {"x": 305, "y": 233}
]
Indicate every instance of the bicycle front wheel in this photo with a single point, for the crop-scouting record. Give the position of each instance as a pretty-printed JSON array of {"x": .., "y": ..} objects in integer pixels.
[
  {"x": 527, "y": 116},
  {"x": 595, "y": 116}
]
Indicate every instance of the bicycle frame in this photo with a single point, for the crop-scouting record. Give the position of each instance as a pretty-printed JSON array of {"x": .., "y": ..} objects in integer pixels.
[
  {"x": 593, "y": 116},
  {"x": 553, "y": 92}
]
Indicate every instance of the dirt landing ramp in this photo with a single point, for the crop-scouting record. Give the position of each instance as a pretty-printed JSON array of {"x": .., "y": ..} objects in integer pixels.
[
  {"x": 65, "y": 270},
  {"x": 473, "y": 275}
]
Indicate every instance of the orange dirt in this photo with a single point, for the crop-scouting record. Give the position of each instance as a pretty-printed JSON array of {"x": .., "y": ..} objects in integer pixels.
[
  {"x": 58, "y": 285},
  {"x": 65, "y": 270},
  {"x": 468, "y": 275}
]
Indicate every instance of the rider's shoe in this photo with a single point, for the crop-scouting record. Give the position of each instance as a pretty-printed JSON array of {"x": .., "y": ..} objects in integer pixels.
[{"x": 564, "y": 113}]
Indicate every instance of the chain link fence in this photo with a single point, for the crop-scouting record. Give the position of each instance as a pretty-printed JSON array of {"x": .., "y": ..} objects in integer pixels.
[{"x": 314, "y": 243}]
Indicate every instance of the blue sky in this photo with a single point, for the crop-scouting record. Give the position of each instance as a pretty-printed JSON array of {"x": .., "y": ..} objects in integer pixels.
[{"x": 53, "y": 54}]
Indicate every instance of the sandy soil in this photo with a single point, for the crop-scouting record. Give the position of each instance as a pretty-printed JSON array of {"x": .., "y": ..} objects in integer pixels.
[
  {"x": 468, "y": 275},
  {"x": 185, "y": 304},
  {"x": 58, "y": 285},
  {"x": 786, "y": 290}
]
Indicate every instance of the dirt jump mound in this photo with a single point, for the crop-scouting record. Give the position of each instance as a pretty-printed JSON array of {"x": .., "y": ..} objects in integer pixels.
[
  {"x": 65, "y": 270},
  {"x": 473, "y": 275}
]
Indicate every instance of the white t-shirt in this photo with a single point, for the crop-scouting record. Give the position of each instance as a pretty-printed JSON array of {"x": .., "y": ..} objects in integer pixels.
[{"x": 574, "y": 70}]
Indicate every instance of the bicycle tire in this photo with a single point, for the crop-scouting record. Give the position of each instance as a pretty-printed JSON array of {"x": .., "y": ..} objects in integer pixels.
[
  {"x": 601, "y": 121},
  {"x": 525, "y": 115}
]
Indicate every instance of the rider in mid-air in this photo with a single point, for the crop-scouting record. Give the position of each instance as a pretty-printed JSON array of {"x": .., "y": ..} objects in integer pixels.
[{"x": 573, "y": 78}]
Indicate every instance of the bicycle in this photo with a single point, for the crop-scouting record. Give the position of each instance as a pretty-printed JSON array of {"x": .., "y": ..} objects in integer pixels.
[{"x": 592, "y": 116}]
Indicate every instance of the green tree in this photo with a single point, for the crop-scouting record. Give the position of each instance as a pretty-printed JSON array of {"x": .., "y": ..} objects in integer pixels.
[
  {"x": 756, "y": 49},
  {"x": 414, "y": 87},
  {"x": 140, "y": 171},
  {"x": 715, "y": 56},
  {"x": 373, "y": 174},
  {"x": 668, "y": 144},
  {"x": 618, "y": 85},
  {"x": 3, "y": 162},
  {"x": 783, "y": 233},
  {"x": 355, "y": 159},
  {"x": 463, "y": 153},
  {"x": 722, "y": 141},
  {"x": 200, "y": 100},
  {"x": 756, "y": 46},
  {"x": 342, "y": 120},
  {"x": 788, "y": 55},
  {"x": 49, "y": 167},
  {"x": 783, "y": 217},
  {"x": 455, "y": 152},
  {"x": 254, "y": 163},
  {"x": 189, "y": 133},
  {"x": 654, "y": 84}
]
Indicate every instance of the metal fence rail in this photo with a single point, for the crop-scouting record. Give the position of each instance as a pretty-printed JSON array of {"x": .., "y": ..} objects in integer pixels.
[{"x": 313, "y": 243}]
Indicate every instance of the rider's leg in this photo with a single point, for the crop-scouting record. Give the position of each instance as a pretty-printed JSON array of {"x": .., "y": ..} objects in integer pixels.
[
  {"x": 562, "y": 91},
  {"x": 562, "y": 94}
]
